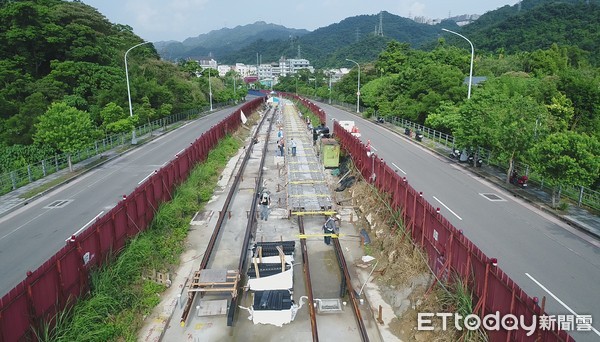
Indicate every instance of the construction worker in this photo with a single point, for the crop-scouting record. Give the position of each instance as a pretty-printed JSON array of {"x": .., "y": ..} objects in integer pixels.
[
  {"x": 329, "y": 227},
  {"x": 293, "y": 145},
  {"x": 265, "y": 203}
]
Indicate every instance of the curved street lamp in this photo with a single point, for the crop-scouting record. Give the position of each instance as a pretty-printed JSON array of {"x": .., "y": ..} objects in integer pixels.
[
  {"x": 358, "y": 88},
  {"x": 133, "y": 138},
  {"x": 472, "y": 55},
  {"x": 210, "y": 90}
]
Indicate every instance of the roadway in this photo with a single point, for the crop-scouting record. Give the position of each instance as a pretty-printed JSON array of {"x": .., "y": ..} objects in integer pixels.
[
  {"x": 541, "y": 254},
  {"x": 32, "y": 234}
]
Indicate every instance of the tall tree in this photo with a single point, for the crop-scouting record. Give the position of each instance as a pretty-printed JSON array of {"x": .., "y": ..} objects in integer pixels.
[
  {"x": 65, "y": 129},
  {"x": 567, "y": 158}
]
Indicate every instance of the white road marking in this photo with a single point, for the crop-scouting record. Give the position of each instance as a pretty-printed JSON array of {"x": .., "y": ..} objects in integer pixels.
[
  {"x": 85, "y": 225},
  {"x": 373, "y": 148},
  {"x": 24, "y": 224},
  {"x": 557, "y": 299},
  {"x": 148, "y": 176},
  {"x": 396, "y": 166},
  {"x": 178, "y": 153},
  {"x": 450, "y": 210}
]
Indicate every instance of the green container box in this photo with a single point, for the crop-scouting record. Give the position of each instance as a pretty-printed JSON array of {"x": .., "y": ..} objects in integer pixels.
[{"x": 330, "y": 153}]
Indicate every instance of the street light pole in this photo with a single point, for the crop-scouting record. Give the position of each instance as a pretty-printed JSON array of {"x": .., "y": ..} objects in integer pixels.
[
  {"x": 329, "y": 87},
  {"x": 234, "y": 90},
  {"x": 472, "y": 55},
  {"x": 133, "y": 138},
  {"x": 358, "y": 88},
  {"x": 210, "y": 90}
]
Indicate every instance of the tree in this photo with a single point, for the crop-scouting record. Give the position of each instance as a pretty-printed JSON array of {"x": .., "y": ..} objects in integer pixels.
[
  {"x": 392, "y": 59},
  {"x": 446, "y": 118},
  {"x": 115, "y": 120},
  {"x": 567, "y": 158},
  {"x": 582, "y": 87},
  {"x": 65, "y": 129},
  {"x": 145, "y": 113}
]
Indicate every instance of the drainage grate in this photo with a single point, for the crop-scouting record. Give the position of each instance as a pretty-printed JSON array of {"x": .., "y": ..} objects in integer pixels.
[
  {"x": 58, "y": 204},
  {"x": 330, "y": 305},
  {"x": 493, "y": 197}
]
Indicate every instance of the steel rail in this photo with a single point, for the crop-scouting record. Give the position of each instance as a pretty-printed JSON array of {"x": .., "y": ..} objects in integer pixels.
[
  {"x": 353, "y": 298},
  {"x": 309, "y": 292},
  {"x": 251, "y": 224},
  {"x": 222, "y": 216}
]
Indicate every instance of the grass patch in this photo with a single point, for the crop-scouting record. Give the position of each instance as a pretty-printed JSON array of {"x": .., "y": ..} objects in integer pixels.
[
  {"x": 46, "y": 186},
  {"x": 314, "y": 120},
  {"x": 120, "y": 297}
]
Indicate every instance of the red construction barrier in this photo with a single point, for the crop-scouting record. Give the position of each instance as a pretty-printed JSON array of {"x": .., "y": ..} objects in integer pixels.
[
  {"x": 449, "y": 251},
  {"x": 62, "y": 279}
]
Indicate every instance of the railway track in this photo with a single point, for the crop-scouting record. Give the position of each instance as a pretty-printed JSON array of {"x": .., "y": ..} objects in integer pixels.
[
  {"x": 223, "y": 214},
  {"x": 229, "y": 243}
]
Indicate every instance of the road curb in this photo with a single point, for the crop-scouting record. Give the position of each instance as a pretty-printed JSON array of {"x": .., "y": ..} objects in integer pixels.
[{"x": 26, "y": 201}]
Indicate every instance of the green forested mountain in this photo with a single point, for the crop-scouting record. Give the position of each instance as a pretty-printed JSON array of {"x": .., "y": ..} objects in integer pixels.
[
  {"x": 225, "y": 41},
  {"x": 537, "y": 24},
  {"x": 65, "y": 57},
  {"x": 354, "y": 35}
]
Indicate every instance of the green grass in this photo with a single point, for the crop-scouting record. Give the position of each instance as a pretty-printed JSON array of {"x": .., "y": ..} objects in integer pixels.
[
  {"x": 120, "y": 297},
  {"x": 459, "y": 299}
]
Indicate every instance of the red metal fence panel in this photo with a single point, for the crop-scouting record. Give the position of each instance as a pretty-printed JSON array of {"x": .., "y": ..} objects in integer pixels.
[
  {"x": 450, "y": 253},
  {"x": 63, "y": 278}
]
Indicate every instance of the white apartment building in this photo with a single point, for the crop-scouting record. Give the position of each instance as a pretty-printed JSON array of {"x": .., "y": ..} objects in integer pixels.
[
  {"x": 224, "y": 69},
  {"x": 283, "y": 68},
  {"x": 245, "y": 70},
  {"x": 292, "y": 66},
  {"x": 207, "y": 62}
]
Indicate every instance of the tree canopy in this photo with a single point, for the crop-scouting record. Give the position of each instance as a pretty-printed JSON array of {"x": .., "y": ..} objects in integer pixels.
[{"x": 67, "y": 52}]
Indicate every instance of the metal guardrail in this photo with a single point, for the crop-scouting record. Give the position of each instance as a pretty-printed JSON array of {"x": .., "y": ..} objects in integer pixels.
[{"x": 17, "y": 178}]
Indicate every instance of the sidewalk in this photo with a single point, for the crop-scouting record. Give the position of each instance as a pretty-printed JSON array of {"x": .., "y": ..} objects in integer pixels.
[
  {"x": 22, "y": 196},
  {"x": 579, "y": 218}
]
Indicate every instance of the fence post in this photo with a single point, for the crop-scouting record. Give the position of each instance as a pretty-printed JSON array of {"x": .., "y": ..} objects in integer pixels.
[
  {"x": 14, "y": 181},
  {"x": 44, "y": 167},
  {"x": 580, "y": 197},
  {"x": 29, "y": 172},
  {"x": 56, "y": 162}
]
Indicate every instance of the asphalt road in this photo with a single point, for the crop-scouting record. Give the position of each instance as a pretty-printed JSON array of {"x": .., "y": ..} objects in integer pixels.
[
  {"x": 541, "y": 254},
  {"x": 32, "y": 234}
]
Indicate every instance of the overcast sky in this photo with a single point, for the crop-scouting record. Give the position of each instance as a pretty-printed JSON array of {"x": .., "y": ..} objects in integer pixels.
[{"x": 156, "y": 20}]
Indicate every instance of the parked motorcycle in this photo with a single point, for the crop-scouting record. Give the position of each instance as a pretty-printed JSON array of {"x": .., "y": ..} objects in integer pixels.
[
  {"x": 419, "y": 136},
  {"x": 455, "y": 154},
  {"x": 407, "y": 131},
  {"x": 520, "y": 181}
]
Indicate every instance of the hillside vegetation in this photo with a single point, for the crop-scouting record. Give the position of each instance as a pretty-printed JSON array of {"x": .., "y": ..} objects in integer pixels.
[{"x": 63, "y": 80}]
